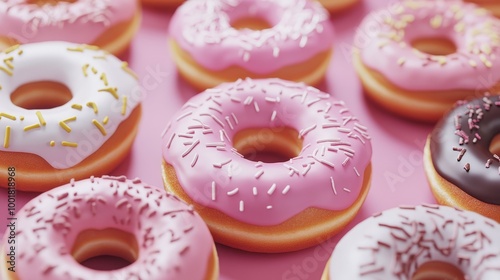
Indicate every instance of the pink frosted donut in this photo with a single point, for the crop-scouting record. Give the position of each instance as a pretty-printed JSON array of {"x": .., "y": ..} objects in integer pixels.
[
  {"x": 109, "y": 24},
  {"x": 268, "y": 206},
  {"x": 422, "y": 242},
  {"x": 288, "y": 39},
  {"x": 417, "y": 58},
  {"x": 162, "y": 237}
]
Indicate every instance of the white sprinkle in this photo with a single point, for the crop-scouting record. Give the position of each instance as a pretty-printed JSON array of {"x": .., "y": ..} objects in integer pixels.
[
  {"x": 330, "y": 125},
  {"x": 304, "y": 148},
  {"x": 286, "y": 189},
  {"x": 312, "y": 102},
  {"x": 196, "y": 127},
  {"x": 346, "y": 160},
  {"x": 246, "y": 56},
  {"x": 254, "y": 190},
  {"x": 208, "y": 131},
  {"x": 271, "y": 189},
  {"x": 258, "y": 174},
  {"x": 269, "y": 207},
  {"x": 189, "y": 104},
  {"x": 230, "y": 171},
  {"x": 308, "y": 167},
  {"x": 195, "y": 160},
  {"x": 215, "y": 109},
  {"x": 333, "y": 185},
  {"x": 234, "y": 118},
  {"x": 344, "y": 110},
  {"x": 303, "y": 41},
  {"x": 170, "y": 140},
  {"x": 304, "y": 96},
  {"x": 348, "y": 150},
  {"x": 216, "y": 102},
  {"x": 233, "y": 192},
  {"x": 248, "y": 100},
  {"x": 186, "y": 152},
  {"x": 222, "y": 163},
  {"x": 347, "y": 190},
  {"x": 334, "y": 140},
  {"x": 259, "y": 164},
  {"x": 328, "y": 106},
  {"x": 361, "y": 127},
  {"x": 234, "y": 151},
  {"x": 235, "y": 99},
  {"x": 256, "y": 106},
  {"x": 185, "y": 136},
  {"x": 305, "y": 131},
  {"x": 215, "y": 144},
  {"x": 183, "y": 116},
  {"x": 273, "y": 115},
  {"x": 228, "y": 121},
  {"x": 356, "y": 171},
  {"x": 213, "y": 190},
  {"x": 276, "y": 51},
  {"x": 242, "y": 206},
  {"x": 346, "y": 120},
  {"x": 223, "y": 134},
  {"x": 214, "y": 118}
]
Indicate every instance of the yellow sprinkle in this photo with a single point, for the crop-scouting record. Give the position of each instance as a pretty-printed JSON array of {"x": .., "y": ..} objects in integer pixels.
[
  {"x": 401, "y": 61},
  {"x": 124, "y": 105},
  {"x": 30, "y": 127},
  {"x": 6, "y": 70},
  {"x": 93, "y": 106},
  {"x": 128, "y": 70},
  {"x": 389, "y": 20},
  {"x": 8, "y": 62},
  {"x": 84, "y": 69},
  {"x": 99, "y": 126},
  {"x": 52, "y": 143},
  {"x": 105, "y": 120},
  {"x": 65, "y": 126},
  {"x": 8, "y": 116},
  {"x": 69, "y": 144},
  {"x": 104, "y": 79},
  {"x": 413, "y": 4},
  {"x": 99, "y": 57},
  {"x": 455, "y": 8},
  {"x": 400, "y": 25},
  {"x": 90, "y": 47},
  {"x": 6, "y": 139},
  {"x": 20, "y": 52},
  {"x": 110, "y": 90},
  {"x": 459, "y": 27},
  {"x": 21, "y": 118},
  {"x": 40, "y": 118},
  {"x": 459, "y": 15},
  {"x": 0, "y": 87},
  {"x": 77, "y": 107},
  {"x": 440, "y": 59},
  {"x": 408, "y": 18},
  {"x": 485, "y": 48},
  {"x": 436, "y": 21},
  {"x": 75, "y": 49},
  {"x": 472, "y": 63},
  {"x": 11, "y": 49},
  {"x": 382, "y": 44},
  {"x": 94, "y": 70}
]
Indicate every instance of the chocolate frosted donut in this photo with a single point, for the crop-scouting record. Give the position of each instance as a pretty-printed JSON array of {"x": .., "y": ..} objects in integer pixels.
[{"x": 462, "y": 163}]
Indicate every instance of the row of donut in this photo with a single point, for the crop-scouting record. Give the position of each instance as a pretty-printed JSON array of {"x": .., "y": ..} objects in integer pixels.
[
  {"x": 203, "y": 166},
  {"x": 163, "y": 238}
]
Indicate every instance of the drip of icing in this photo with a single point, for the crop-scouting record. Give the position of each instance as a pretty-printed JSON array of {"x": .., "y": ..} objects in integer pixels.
[{"x": 288, "y": 187}]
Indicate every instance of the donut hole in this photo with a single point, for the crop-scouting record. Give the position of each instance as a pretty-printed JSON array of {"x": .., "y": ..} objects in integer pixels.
[
  {"x": 434, "y": 46},
  {"x": 118, "y": 248},
  {"x": 253, "y": 23},
  {"x": 49, "y": 2},
  {"x": 434, "y": 270},
  {"x": 41, "y": 95},
  {"x": 278, "y": 144},
  {"x": 495, "y": 145}
]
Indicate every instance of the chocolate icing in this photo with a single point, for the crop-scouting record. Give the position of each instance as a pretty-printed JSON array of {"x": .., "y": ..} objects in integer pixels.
[{"x": 471, "y": 126}]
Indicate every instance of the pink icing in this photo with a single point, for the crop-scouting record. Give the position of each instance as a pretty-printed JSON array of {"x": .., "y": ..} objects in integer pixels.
[
  {"x": 328, "y": 172},
  {"x": 393, "y": 244},
  {"x": 79, "y": 22},
  {"x": 300, "y": 30},
  {"x": 172, "y": 238},
  {"x": 384, "y": 40}
]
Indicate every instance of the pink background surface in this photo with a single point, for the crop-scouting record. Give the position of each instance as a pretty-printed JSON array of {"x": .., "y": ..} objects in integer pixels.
[{"x": 398, "y": 176}]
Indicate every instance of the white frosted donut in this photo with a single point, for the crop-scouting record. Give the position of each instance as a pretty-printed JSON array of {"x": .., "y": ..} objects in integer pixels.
[
  {"x": 161, "y": 236},
  {"x": 103, "y": 95},
  {"x": 422, "y": 242}
]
